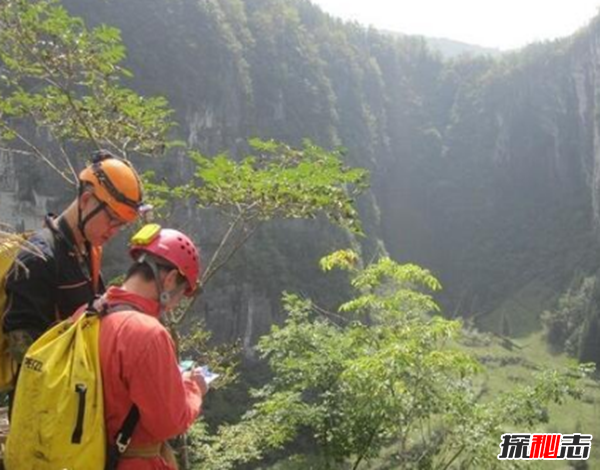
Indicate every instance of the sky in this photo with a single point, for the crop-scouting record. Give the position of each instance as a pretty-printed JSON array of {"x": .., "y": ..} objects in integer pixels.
[{"x": 501, "y": 24}]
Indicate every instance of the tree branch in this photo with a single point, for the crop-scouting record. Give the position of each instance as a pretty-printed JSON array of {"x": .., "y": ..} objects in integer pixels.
[
  {"x": 233, "y": 251},
  {"x": 460, "y": 451},
  {"x": 367, "y": 446},
  {"x": 65, "y": 90},
  {"x": 63, "y": 151},
  {"x": 220, "y": 248},
  {"x": 213, "y": 265},
  {"x": 37, "y": 152}
]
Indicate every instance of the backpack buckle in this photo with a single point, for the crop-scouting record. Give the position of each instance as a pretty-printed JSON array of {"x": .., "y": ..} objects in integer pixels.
[{"x": 122, "y": 446}]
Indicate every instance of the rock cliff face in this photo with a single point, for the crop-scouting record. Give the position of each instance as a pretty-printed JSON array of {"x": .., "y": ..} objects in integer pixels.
[
  {"x": 21, "y": 208},
  {"x": 486, "y": 170},
  {"x": 524, "y": 137}
]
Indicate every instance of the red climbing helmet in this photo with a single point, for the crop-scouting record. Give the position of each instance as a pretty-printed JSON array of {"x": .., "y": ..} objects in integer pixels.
[{"x": 171, "y": 246}]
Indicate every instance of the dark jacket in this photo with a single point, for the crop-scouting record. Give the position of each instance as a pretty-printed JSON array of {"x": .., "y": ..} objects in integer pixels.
[{"x": 52, "y": 286}]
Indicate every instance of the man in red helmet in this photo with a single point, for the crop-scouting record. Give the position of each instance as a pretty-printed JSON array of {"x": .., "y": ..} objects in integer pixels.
[
  {"x": 142, "y": 382},
  {"x": 62, "y": 272}
]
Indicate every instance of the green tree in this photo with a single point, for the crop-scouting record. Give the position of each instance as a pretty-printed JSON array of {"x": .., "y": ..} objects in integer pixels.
[
  {"x": 61, "y": 89},
  {"x": 384, "y": 371},
  {"x": 61, "y": 92},
  {"x": 570, "y": 327},
  {"x": 275, "y": 181},
  {"x": 589, "y": 348}
]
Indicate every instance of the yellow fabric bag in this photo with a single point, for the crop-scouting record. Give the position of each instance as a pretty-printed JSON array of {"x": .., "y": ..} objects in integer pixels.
[
  {"x": 57, "y": 420},
  {"x": 9, "y": 248}
]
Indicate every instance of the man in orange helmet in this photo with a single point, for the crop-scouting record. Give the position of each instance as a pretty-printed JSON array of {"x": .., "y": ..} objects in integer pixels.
[{"x": 67, "y": 274}]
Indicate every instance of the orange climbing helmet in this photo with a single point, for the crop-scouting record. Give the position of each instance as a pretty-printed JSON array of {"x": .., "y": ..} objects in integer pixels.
[{"x": 116, "y": 184}]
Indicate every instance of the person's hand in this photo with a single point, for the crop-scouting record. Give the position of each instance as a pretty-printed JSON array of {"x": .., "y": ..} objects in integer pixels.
[{"x": 196, "y": 376}]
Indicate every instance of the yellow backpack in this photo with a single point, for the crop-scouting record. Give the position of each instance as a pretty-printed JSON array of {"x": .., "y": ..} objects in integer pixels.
[
  {"x": 57, "y": 419},
  {"x": 10, "y": 245},
  {"x": 9, "y": 248}
]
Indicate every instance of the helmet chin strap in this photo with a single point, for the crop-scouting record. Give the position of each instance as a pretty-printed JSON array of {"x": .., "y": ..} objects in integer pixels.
[
  {"x": 164, "y": 297},
  {"x": 81, "y": 221}
]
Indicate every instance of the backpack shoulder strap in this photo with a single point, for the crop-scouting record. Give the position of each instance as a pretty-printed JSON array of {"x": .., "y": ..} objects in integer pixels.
[
  {"x": 95, "y": 264},
  {"x": 123, "y": 438},
  {"x": 93, "y": 258},
  {"x": 96, "y": 306}
]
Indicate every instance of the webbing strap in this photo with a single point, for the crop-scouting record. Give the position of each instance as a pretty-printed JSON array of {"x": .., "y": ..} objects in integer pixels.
[
  {"x": 95, "y": 261},
  {"x": 122, "y": 439},
  {"x": 111, "y": 188},
  {"x": 82, "y": 222},
  {"x": 143, "y": 451},
  {"x": 94, "y": 254}
]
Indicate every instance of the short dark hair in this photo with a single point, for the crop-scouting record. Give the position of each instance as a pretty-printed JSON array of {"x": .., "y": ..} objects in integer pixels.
[{"x": 144, "y": 270}]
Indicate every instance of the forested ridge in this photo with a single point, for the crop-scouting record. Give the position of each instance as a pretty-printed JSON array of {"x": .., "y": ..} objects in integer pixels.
[{"x": 483, "y": 169}]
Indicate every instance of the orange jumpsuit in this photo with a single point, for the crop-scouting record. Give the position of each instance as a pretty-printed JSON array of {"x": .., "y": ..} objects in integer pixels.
[{"x": 139, "y": 365}]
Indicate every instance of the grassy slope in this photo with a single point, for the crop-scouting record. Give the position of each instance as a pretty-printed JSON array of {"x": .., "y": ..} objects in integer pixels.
[{"x": 507, "y": 369}]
